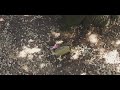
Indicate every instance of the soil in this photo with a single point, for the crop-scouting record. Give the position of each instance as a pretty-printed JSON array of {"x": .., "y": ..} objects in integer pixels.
[{"x": 17, "y": 31}]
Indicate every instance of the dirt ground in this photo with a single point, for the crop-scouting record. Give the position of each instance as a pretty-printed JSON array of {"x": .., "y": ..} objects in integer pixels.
[{"x": 26, "y": 42}]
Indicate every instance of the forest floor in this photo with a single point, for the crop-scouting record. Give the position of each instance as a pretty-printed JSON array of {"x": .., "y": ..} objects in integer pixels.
[{"x": 26, "y": 42}]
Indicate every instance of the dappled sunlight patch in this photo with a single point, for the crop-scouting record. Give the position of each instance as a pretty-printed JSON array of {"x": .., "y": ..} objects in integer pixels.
[
  {"x": 59, "y": 42},
  {"x": 76, "y": 52},
  {"x": 76, "y": 55},
  {"x": 22, "y": 54},
  {"x": 1, "y": 19},
  {"x": 93, "y": 38},
  {"x": 118, "y": 68},
  {"x": 42, "y": 65},
  {"x": 55, "y": 34},
  {"x": 28, "y": 52},
  {"x": 79, "y": 50},
  {"x": 26, "y": 15},
  {"x": 30, "y": 41},
  {"x": 83, "y": 73},
  {"x": 30, "y": 56},
  {"x": 112, "y": 57},
  {"x": 101, "y": 51},
  {"x": 117, "y": 42},
  {"x": 25, "y": 67}
]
